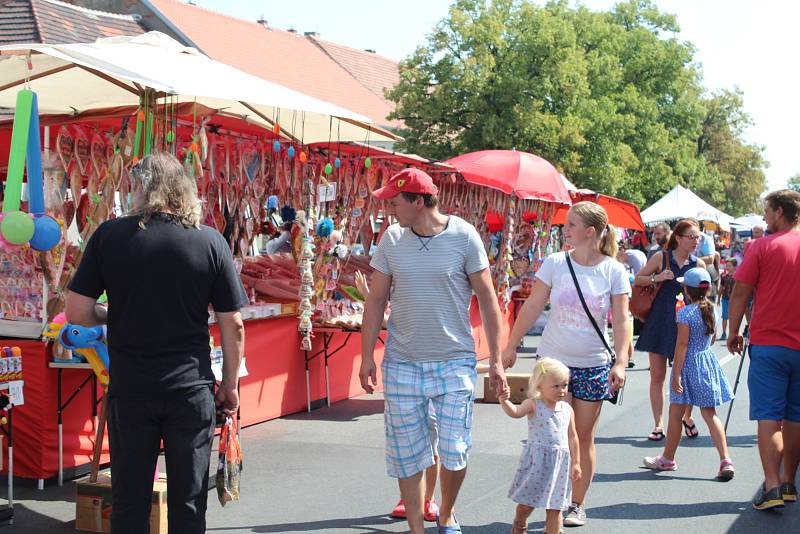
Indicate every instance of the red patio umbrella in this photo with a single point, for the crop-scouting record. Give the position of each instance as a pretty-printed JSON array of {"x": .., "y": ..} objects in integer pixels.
[
  {"x": 526, "y": 175},
  {"x": 621, "y": 213}
]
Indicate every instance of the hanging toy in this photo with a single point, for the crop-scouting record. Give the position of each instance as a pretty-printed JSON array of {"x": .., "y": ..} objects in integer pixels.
[
  {"x": 368, "y": 163},
  {"x": 276, "y": 146},
  {"x": 303, "y": 156},
  {"x": 337, "y": 163},
  {"x": 17, "y": 227},
  {"x": 290, "y": 152},
  {"x": 324, "y": 227},
  {"x": 328, "y": 168}
]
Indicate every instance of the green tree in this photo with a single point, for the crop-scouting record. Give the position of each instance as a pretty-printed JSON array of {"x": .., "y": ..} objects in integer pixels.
[
  {"x": 794, "y": 182},
  {"x": 738, "y": 167},
  {"x": 612, "y": 98}
]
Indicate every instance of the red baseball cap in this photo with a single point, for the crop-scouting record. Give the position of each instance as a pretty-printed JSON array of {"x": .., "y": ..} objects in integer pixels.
[{"x": 410, "y": 180}]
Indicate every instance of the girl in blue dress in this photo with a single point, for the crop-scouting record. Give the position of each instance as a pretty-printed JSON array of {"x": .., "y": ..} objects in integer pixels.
[
  {"x": 697, "y": 378},
  {"x": 660, "y": 331}
]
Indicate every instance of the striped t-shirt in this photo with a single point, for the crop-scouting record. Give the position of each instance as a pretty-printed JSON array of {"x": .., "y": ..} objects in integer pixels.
[{"x": 431, "y": 291}]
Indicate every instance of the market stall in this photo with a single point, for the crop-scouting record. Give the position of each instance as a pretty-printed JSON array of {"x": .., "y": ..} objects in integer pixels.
[
  {"x": 129, "y": 104},
  {"x": 272, "y": 168}
]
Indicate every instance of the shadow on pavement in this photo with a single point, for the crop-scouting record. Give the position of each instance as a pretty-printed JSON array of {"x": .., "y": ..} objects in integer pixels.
[
  {"x": 363, "y": 524},
  {"x": 645, "y": 475},
  {"x": 346, "y": 410},
  {"x": 644, "y": 512},
  {"x": 704, "y": 440}
]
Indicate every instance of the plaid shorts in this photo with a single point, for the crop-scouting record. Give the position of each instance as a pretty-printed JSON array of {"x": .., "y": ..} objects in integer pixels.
[{"x": 410, "y": 388}]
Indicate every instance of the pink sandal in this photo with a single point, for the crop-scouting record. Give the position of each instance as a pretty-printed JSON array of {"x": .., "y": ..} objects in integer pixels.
[
  {"x": 726, "y": 470},
  {"x": 659, "y": 463}
]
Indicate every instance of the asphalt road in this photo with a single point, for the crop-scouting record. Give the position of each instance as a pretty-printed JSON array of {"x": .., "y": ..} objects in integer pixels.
[{"x": 323, "y": 472}]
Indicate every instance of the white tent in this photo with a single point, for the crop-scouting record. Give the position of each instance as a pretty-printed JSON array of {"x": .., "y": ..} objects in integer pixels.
[
  {"x": 112, "y": 72},
  {"x": 681, "y": 203},
  {"x": 747, "y": 222}
]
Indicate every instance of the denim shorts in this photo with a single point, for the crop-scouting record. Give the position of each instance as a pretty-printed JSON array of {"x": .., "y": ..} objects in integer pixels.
[
  {"x": 410, "y": 390},
  {"x": 589, "y": 383},
  {"x": 725, "y": 303},
  {"x": 774, "y": 383}
]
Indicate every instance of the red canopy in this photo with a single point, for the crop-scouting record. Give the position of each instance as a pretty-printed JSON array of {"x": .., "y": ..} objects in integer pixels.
[
  {"x": 526, "y": 175},
  {"x": 621, "y": 213}
]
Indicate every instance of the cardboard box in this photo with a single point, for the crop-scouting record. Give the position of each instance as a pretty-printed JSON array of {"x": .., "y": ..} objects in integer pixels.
[
  {"x": 93, "y": 505},
  {"x": 518, "y": 382}
]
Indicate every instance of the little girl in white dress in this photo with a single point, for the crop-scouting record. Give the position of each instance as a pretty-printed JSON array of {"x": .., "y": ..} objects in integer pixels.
[{"x": 550, "y": 459}]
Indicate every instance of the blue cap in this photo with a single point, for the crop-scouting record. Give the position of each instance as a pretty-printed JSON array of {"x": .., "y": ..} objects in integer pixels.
[{"x": 696, "y": 277}]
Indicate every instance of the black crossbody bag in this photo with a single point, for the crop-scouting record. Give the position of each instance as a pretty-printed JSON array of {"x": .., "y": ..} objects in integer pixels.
[{"x": 616, "y": 396}]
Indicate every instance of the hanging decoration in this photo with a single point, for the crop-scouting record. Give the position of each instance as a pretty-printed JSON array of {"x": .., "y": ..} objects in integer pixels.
[{"x": 17, "y": 227}]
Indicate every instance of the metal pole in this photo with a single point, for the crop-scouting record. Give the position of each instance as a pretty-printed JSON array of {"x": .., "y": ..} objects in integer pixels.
[{"x": 736, "y": 384}]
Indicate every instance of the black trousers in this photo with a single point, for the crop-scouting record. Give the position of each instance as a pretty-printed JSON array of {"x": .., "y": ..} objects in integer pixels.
[{"x": 185, "y": 422}]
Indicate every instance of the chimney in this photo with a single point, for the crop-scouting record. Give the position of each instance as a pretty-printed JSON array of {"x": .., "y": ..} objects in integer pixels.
[
  {"x": 370, "y": 50},
  {"x": 263, "y": 22},
  {"x": 311, "y": 34}
]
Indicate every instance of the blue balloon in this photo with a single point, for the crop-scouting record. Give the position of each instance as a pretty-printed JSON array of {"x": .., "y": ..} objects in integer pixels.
[
  {"x": 46, "y": 233},
  {"x": 337, "y": 163},
  {"x": 290, "y": 152},
  {"x": 276, "y": 146}
]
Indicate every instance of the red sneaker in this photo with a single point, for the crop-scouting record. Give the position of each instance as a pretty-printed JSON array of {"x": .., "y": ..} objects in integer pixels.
[
  {"x": 431, "y": 511},
  {"x": 399, "y": 511}
]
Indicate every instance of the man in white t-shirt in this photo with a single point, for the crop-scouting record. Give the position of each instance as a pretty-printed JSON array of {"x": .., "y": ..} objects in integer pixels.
[{"x": 430, "y": 264}]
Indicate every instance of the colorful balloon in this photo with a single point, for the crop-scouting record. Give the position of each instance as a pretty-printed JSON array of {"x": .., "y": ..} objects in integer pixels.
[
  {"x": 46, "y": 233},
  {"x": 337, "y": 163},
  {"x": 328, "y": 168},
  {"x": 290, "y": 152},
  {"x": 368, "y": 163},
  {"x": 33, "y": 162},
  {"x": 16, "y": 156},
  {"x": 276, "y": 146},
  {"x": 17, "y": 227}
]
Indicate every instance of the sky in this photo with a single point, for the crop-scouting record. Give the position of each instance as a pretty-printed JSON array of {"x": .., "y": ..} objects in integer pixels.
[{"x": 747, "y": 44}]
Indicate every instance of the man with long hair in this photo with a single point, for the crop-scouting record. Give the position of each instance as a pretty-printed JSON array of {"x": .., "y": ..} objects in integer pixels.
[
  {"x": 769, "y": 275},
  {"x": 161, "y": 269}
]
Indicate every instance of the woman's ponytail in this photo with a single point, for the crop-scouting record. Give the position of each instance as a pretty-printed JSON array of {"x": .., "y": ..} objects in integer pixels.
[{"x": 608, "y": 243}]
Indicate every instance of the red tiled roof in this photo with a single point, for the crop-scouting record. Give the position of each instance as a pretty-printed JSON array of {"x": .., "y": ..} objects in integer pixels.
[
  {"x": 278, "y": 56},
  {"x": 51, "y": 21},
  {"x": 17, "y": 24},
  {"x": 375, "y": 72},
  {"x": 64, "y": 23}
]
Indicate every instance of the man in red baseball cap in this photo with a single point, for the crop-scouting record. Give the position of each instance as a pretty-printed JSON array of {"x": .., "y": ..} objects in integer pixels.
[{"x": 431, "y": 264}]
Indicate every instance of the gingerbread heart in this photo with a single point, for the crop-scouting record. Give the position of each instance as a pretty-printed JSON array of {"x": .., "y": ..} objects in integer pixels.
[
  {"x": 83, "y": 151},
  {"x": 65, "y": 146}
]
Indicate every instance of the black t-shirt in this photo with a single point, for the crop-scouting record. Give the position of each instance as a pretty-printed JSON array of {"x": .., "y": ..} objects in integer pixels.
[{"x": 159, "y": 281}]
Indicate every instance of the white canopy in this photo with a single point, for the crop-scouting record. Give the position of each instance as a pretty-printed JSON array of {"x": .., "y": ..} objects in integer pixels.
[
  {"x": 681, "y": 203},
  {"x": 112, "y": 72},
  {"x": 748, "y": 222}
]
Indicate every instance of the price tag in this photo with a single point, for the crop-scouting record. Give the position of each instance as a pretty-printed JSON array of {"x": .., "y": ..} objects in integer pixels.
[{"x": 326, "y": 193}]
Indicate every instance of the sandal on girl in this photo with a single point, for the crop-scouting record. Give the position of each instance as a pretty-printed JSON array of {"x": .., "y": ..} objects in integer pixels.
[
  {"x": 656, "y": 435},
  {"x": 519, "y": 528},
  {"x": 659, "y": 463},
  {"x": 726, "y": 470},
  {"x": 690, "y": 430}
]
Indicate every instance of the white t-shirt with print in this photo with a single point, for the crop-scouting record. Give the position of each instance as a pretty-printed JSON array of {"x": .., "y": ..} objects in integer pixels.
[{"x": 569, "y": 335}]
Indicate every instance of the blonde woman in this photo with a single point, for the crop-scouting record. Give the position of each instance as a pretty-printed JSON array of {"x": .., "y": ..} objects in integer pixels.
[{"x": 570, "y": 336}]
